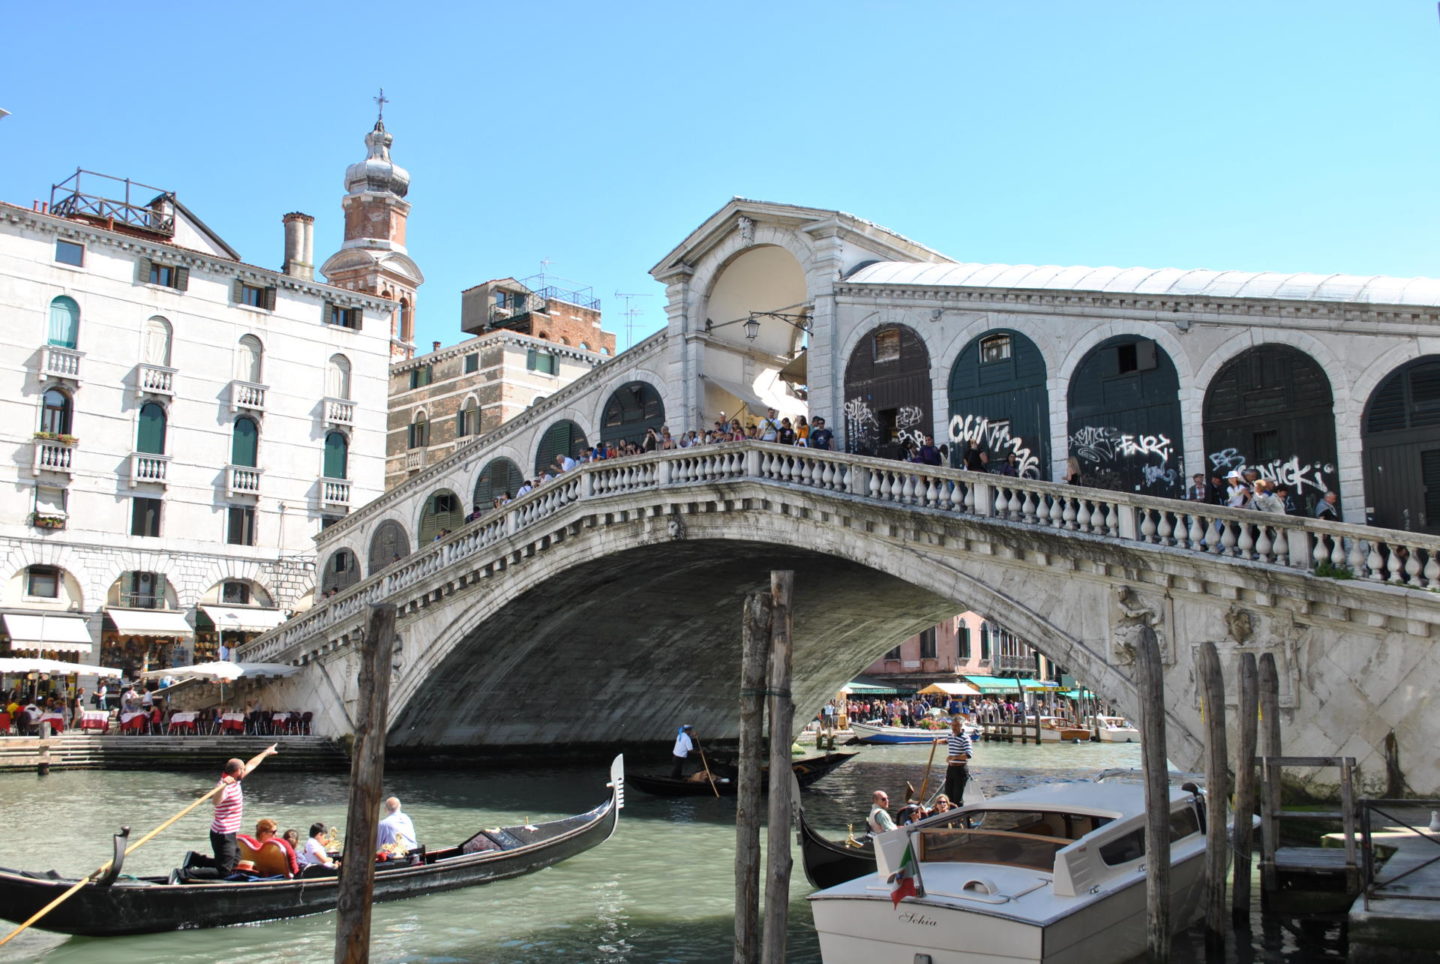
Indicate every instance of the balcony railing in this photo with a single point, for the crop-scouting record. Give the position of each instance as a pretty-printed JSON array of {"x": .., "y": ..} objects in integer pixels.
[
  {"x": 142, "y": 600},
  {"x": 54, "y": 456},
  {"x": 57, "y": 362},
  {"x": 148, "y": 469},
  {"x": 415, "y": 460},
  {"x": 242, "y": 480},
  {"x": 247, "y": 395},
  {"x": 155, "y": 380},
  {"x": 335, "y": 491},
  {"x": 339, "y": 411}
]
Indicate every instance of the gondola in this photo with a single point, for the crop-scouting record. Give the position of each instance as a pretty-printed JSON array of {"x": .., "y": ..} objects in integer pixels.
[
  {"x": 828, "y": 863},
  {"x": 111, "y": 905},
  {"x": 806, "y": 770}
]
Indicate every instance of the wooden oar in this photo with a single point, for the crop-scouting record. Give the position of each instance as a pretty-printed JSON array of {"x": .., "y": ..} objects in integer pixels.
[
  {"x": 930, "y": 763},
  {"x": 708, "y": 775},
  {"x": 128, "y": 851}
]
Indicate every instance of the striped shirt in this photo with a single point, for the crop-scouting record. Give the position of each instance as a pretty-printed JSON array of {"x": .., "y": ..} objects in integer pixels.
[
  {"x": 229, "y": 810},
  {"x": 958, "y": 745}
]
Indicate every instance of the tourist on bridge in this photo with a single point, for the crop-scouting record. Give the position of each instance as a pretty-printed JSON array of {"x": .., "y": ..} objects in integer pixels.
[
  {"x": 1328, "y": 508},
  {"x": 684, "y": 746},
  {"x": 769, "y": 426},
  {"x": 820, "y": 436}
]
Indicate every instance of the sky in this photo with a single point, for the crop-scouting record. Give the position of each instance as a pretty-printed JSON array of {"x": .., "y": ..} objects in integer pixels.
[{"x": 1273, "y": 135}]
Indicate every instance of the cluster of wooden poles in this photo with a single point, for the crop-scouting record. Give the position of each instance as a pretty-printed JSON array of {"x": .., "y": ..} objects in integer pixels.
[{"x": 1259, "y": 701}]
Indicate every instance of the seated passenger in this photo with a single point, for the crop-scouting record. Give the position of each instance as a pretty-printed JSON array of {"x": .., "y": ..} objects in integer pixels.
[
  {"x": 273, "y": 857},
  {"x": 396, "y": 830},
  {"x": 315, "y": 853}
]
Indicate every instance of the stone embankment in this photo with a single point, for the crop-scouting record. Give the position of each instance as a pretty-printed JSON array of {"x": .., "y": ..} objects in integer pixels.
[{"x": 81, "y": 751}]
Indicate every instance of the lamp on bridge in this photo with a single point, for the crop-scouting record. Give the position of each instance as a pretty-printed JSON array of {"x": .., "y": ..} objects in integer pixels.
[{"x": 800, "y": 320}]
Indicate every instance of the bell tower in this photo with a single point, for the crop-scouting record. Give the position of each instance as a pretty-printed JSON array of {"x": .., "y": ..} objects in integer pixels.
[{"x": 373, "y": 258}]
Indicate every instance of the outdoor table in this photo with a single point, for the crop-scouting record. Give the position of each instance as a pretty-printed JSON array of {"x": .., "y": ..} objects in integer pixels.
[
  {"x": 279, "y": 722},
  {"x": 56, "y": 721},
  {"x": 183, "y": 721},
  {"x": 232, "y": 723},
  {"x": 133, "y": 721},
  {"x": 95, "y": 720}
]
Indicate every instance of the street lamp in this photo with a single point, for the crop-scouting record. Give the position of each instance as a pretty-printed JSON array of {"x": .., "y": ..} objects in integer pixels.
[{"x": 800, "y": 321}]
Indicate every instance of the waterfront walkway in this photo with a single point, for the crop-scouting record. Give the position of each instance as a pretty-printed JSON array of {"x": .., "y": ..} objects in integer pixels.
[{"x": 71, "y": 751}]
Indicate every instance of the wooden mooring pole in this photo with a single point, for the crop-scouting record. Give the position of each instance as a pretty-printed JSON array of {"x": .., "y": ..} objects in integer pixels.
[
  {"x": 1150, "y": 681},
  {"x": 755, "y": 646},
  {"x": 1244, "y": 827},
  {"x": 782, "y": 713},
  {"x": 1217, "y": 794},
  {"x": 1269, "y": 683},
  {"x": 367, "y": 773}
]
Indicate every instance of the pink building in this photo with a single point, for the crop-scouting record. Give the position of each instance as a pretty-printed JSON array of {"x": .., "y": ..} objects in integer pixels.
[{"x": 964, "y": 644}]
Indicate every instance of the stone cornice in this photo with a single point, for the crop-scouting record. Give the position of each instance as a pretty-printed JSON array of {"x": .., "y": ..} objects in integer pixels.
[{"x": 501, "y": 336}]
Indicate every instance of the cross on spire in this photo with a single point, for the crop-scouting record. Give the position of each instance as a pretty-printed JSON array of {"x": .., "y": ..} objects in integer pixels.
[{"x": 382, "y": 100}]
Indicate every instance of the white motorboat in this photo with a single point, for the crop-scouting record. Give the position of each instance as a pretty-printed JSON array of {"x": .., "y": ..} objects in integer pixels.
[
  {"x": 1052, "y": 875},
  {"x": 880, "y": 733},
  {"x": 1055, "y": 729},
  {"x": 1115, "y": 729}
]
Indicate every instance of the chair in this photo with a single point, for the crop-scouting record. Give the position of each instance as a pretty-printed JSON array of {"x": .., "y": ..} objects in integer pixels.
[
  {"x": 305, "y": 719},
  {"x": 4, "y": 723}
]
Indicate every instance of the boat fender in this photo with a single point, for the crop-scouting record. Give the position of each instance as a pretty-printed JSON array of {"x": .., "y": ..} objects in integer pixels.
[{"x": 980, "y": 885}]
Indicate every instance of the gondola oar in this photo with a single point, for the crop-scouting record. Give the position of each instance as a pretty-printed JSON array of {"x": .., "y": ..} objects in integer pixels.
[
  {"x": 128, "y": 851},
  {"x": 708, "y": 775},
  {"x": 929, "y": 763}
]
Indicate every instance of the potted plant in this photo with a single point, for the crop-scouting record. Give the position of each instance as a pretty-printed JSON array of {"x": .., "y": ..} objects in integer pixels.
[
  {"x": 56, "y": 437},
  {"x": 47, "y": 521}
]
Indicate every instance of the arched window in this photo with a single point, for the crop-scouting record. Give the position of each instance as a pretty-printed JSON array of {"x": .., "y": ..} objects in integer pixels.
[
  {"x": 419, "y": 432},
  {"x": 337, "y": 377},
  {"x": 442, "y": 514},
  {"x": 150, "y": 434},
  {"x": 564, "y": 436},
  {"x": 157, "y": 342},
  {"x": 55, "y": 413},
  {"x": 500, "y": 477},
  {"x": 64, "y": 322},
  {"x": 467, "y": 420},
  {"x": 342, "y": 571},
  {"x": 249, "y": 359},
  {"x": 245, "y": 442},
  {"x": 337, "y": 455},
  {"x": 405, "y": 321},
  {"x": 388, "y": 544},
  {"x": 632, "y": 409}
]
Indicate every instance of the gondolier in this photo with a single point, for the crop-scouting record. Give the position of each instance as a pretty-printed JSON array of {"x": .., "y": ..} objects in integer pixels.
[
  {"x": 957, "y": 759},
  {"x": 229, "y": 814},
  {"x": 684, "y": 746}
]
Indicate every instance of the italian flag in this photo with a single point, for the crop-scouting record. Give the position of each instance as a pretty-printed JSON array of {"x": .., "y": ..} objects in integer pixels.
[{"x": 907, "y": 878}]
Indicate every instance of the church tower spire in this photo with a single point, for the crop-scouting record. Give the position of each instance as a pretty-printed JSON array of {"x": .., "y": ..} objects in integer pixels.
[{"x": 373, "y": 258}]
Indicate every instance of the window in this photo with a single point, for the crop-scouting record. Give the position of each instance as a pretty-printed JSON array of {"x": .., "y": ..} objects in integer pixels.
[
  {"x": 165, "y": 275},
  {"x": 472, "y": 362},
  {"x": 68, "y": 252},
  {"x": 245, "y": 443},
  {"x": 240, "y": 527},
  {"x": 1137, "y": 356},
  {"x": 539, "y": 361},
  {"x": 235, "y": 593},
  {"x": 157, "y": 341},
  {"x": 142, "y": 590},
  {"x": 962, "y": 636},
  {"x": 64, "y": 322},
  {"x": 994, "y": 349},
  {"x": 927, "y": 644},
  {"x": 249, "y": 359},
  {"x": 984, "y": 640},
  {"x": 422, "y": 376},
  {"x": 893, "y": 654},
  {"x": 42, "y": 581},
  {"x": 419, "y": 433},
  {"x": 337, "y": 455},
  {"x": 145, "y": 517},
  {"x": 404, "y": 319},
  {"x": 467, "y": 420},
  {"x": 150, "y": 433},
  {"x": 887, "y": 344},
  {"x": 255, "y": 296},
  {"x": 444, "y": 502},
  {"x": 342, "y": 317},
  {"x": 337, "y": 377},
  {"x": 326, "y": 521},
  {"x": 55, "y": 412},
  {"x": 50, "y": 500}
]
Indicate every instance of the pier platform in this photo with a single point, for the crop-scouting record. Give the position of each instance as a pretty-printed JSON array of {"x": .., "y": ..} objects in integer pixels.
[{"x": 1397, "y": 918}]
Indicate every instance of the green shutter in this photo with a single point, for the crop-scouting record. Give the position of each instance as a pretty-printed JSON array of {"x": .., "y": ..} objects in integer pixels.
[
  {"x": 150, "y": 435},
  {"x": 182, "y": 278},
  {"x": 270, "y": 298},
  {"x": 142, "y": 270},
  {"x": 244, "y": 442},
  {"x": 336, "y": 456}
]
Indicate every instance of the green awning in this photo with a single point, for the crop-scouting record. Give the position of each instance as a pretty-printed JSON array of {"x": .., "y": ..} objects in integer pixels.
[{"x": 1009, "y": 684}]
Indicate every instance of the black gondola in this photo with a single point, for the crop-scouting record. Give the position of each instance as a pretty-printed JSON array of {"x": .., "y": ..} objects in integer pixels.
[
  {"x": 807, "y": 771},
  {"x": 828, "y": 863},
  {"x": 112, "y": 906}
]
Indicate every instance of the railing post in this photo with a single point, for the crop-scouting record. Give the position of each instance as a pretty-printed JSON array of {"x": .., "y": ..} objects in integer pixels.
[
  {"x": 1126, "y": 521},
  {"x": 984, "y": 497},
  {"x": 857, "y": 482},
  {"x": 752, "y": 463},
  {"x": 664, "y": 473}
]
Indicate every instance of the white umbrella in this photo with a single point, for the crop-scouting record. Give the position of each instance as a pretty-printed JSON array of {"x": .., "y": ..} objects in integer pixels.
[
  {"x": 54, "y": 667},
  {"x": 225, "y": 671}
]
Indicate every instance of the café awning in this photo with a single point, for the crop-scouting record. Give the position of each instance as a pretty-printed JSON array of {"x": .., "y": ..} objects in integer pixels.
[
  {"x": 244, "y": 619},
  {"x": 42, "y": 632},
  {"x": 53, "y": 667},
  {"x": 150, "y": 622},
  {"x": 949, "y": 689}
]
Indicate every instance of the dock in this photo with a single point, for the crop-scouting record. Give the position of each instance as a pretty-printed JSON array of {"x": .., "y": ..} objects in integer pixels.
[
  {"x": 1397, "y": 916},
  {"x": 83, "y": 751}
]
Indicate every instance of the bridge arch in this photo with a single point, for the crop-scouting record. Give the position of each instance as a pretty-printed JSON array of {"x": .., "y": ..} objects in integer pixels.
[
  {"x": 389, "y": 544},
  {"x": 499, "y": 477},
  {"x": 561, "y": 436},
  {"x": 998, "y": 395},
  {"x": 631, "y": 410},
  {"x": 1400, "y": 433},
  {"x": 888, "y": 398},
  {"x": 440, "y": 514},
  {"x": 340, "y": 571}
]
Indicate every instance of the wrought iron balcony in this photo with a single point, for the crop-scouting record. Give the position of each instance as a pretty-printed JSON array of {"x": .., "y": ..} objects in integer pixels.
[
  {"x": 335, "y": 492},
  {"x": 339, "y": 411},
  {"x": 247, "y": 396},
  {"x": 154, "y": 380},
  {"x": 242, "y": 480},
  {"x": 147, "y": 468},
  {"x": 58, "y": 362},
  {"x": 54, "y": 455}
]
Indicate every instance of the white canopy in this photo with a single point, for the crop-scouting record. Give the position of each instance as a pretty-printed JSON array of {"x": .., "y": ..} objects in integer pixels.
[
  {"x": 41, "y": 632},
  {"x": 150, "y": 622},
  {"x": 244, "y": 618},
  {"x": 54, "y": 667},
  {"x": 225, "y": 671}
]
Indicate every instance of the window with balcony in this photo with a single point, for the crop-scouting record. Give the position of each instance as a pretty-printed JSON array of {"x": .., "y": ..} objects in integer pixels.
[
  {"x": 337, "y": 456},
  {"x": 68, "y": 252},
  {"x": 467, "y": 420},
  {"x": 165, "y": 275},
  {"x": 337, "y": 377},
  {"x": 342, "y": 317},
  {"x": 157, "y": 341},
  {"x": 142, "y": 590},
  {"x": 422, "y": 376},
  {"x": 539, "y": 361},
  {"x": 55, "y": 412},
  {"x": 150, "y": 431},
  {"x": 245, "y": 442},
  {"x": 249, "y": 359},
  {"x": 240, "y": 526},
  {"x": 64, "y": 322},
  {"x": 145, "y": 517},
  {"x": 51, "y": 501},
  {"x": 43, "y": 582},
  {"x": 419, "y": 433}
]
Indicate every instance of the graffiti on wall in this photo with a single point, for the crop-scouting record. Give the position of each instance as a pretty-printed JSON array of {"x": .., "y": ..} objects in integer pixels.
[
  {"x": 1287, "y": 472},
  {"x": 908, "y": 425},
  {"x": 1108, "y": 458},
  {"x": 862, "y": 428},
  {"x": 996, "y": 438}
]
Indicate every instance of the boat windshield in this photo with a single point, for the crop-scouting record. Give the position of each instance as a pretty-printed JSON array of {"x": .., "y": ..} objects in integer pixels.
[{"x": 1022, "y": 838}]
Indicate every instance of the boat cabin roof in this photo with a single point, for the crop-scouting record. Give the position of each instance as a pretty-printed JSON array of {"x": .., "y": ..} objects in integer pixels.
[{"x": 1114, "y": 800}]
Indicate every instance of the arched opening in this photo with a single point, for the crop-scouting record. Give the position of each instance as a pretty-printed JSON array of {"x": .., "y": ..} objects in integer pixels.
[
  {"x": 632, "y": 409},
  {"x": 467, "y": 419},
  {"x": 55, "y": 412},
  {"x": 1401, "y": 446},
  {"x": 998, "y": 401},
  {"x": 765, "y": 280},
  {"x": 342, "y": 570},
  {"x": 150, "y": 431},
  {"x": 442, "y": 515},
  {"x": 388, "y": 545},
  {"x": 1124, "y": 418},
  {"x": 249, "y": 359},
  {"x": 64, "y": 322},
  {"x": 407, "y": 333},
  {"x": 499, "y": 477},
  {"x": 419, "y": 435},
  {"x": 887, "y": 393},
  {"x": 337, "y": 377},
  {"x": 1270, "y": 408},
  {"x": 337, "y": 456},
  {"x": 564, "y": 436},
  {"x": 245, "y": 442},
  {"x": 157, "y": 342}
]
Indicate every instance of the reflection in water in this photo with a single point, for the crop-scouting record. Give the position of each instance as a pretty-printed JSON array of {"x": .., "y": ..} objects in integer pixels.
[{"x": 661, "y": 890}]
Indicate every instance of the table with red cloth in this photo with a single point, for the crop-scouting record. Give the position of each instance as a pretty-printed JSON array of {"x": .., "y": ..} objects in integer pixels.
[
  {"x": 95, "y": 720},
  {"x": 134, "y": 722},
  {"x": 279, "y": 722},
  {"x": 232, "y": 723},
  {"x": 56, "y": 721},
  {"x": 184, "y": 722}
]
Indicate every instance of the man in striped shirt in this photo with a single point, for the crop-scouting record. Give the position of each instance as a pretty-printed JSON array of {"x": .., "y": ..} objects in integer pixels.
[
  {"x": 957, "y": 758},
  {"x": 229, "y": 813}
]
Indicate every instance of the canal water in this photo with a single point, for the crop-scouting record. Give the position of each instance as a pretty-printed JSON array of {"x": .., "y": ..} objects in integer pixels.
[{"x": 660, "y": 890}]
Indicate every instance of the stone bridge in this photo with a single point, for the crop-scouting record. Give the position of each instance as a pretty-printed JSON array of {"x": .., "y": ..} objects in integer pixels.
[{"x": 605, "y": 606}]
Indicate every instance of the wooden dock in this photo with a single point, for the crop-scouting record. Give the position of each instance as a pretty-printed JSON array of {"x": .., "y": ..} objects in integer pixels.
[
  {"x": 82, "y": 751},
  {"x": 1306, "y": 880},
  {"x": 1397, "y": 916}
]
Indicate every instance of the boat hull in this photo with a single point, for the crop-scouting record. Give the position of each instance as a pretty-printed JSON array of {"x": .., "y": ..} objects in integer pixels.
[
  {"x": 806, "y": 771},
  {"x": 882, "y": 735}
]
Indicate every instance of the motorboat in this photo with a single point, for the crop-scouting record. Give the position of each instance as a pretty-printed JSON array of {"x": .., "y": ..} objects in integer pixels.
[
  {"x": 723, "y": 777},
  {"x": 1053, "y": 874},
  {"x": 1055, "y": 729},
  {"x": 880, "y": 734},
  {"x": 1115, "y": 729}
]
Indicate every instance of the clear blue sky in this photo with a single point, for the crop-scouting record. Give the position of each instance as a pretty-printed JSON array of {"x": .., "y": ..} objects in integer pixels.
[{"x": 1254, "y": 135}]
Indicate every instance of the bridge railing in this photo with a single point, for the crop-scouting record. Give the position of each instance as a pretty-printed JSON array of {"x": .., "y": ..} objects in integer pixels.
[{"x": 1344, "y": 551}]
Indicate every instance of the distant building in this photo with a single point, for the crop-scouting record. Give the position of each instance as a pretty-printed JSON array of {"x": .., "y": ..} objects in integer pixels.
[
  {"x": 967, "y": 644},
  {"x": 180, "y": 424},
  {"x": 529, "y": 343}
]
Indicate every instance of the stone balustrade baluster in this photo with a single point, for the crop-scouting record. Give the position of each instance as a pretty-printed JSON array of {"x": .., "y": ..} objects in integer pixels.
[
  {"x": 1432, "y": 572},
  {"x": 1165, "y": 528},
  {"x": 1245, "y": 544},
  {"x": 1412, "y": 566},
  {"x": 1394, "y": 565},
  {"x": 897, "y": 487},
  {"x": 1375, "y": 563},
  {"x": 1263, "y": 543},
  {"x": 932, "y": 495},
  {"x": 1082, "y": 516},
  {"x": 907, "y": 489},
  {"x": 1147, "y": 525},
  {"x": 1195, "y": 536},
  {"x": 1112, "y": 520}
]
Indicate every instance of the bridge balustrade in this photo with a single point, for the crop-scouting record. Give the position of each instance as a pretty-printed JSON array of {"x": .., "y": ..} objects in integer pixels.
[{"x": 1248, "y": 536}]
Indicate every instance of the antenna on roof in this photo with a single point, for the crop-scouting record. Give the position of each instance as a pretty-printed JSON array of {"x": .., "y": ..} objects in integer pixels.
[{"x": 630, "y": 314}]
